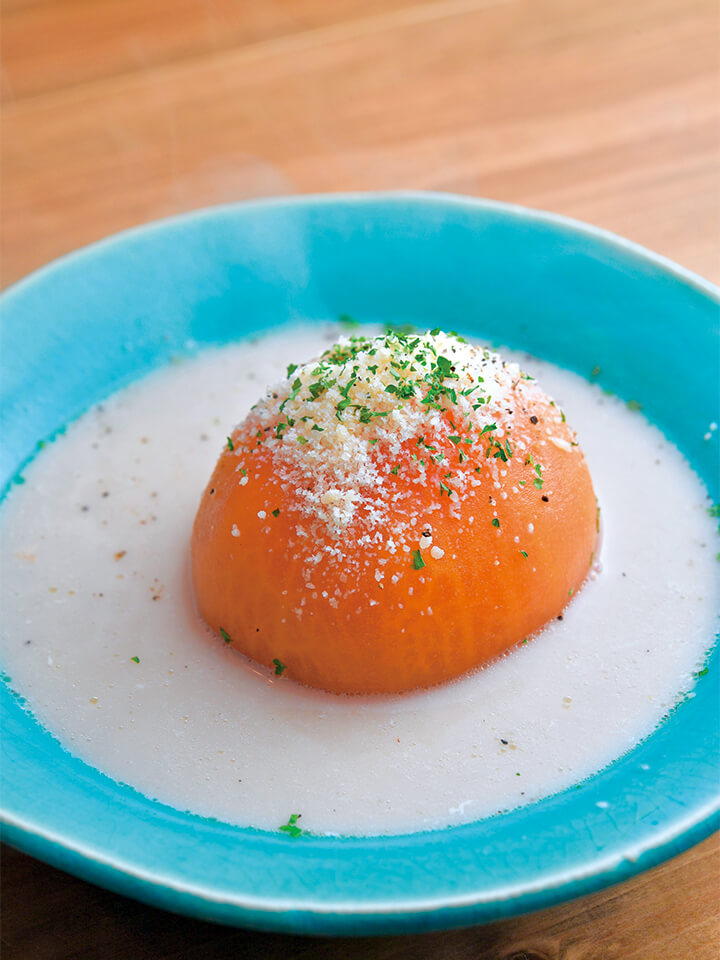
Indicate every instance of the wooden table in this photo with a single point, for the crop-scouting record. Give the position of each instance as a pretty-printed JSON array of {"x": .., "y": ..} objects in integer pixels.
[{"x": 120, "y": 111}]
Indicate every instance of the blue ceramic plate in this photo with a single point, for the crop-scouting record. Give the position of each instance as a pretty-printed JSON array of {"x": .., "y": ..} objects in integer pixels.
[{"x": 93, "y": 321}]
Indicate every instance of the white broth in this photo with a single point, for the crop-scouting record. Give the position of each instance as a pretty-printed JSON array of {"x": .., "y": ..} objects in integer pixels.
[{"x": 100, "y": 634}]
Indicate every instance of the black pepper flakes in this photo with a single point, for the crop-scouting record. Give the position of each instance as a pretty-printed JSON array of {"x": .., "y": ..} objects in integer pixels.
[
  {"x": 533, "y": 419},
  {"x": 545, "y": 499}
]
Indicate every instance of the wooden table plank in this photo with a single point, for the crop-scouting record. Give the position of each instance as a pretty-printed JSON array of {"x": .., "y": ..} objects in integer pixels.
[
  {"x": 109, "y": 37},
  {"x": 469, "y": 99},
  {"x": 120, "y": 111}
]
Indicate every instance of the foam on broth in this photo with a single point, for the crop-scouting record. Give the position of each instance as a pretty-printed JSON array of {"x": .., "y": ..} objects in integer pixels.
[{"x": 101, "y": 637}]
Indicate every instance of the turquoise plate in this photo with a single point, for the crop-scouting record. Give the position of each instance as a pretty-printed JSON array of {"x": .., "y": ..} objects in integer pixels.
[{"x": 93, "y": 321}]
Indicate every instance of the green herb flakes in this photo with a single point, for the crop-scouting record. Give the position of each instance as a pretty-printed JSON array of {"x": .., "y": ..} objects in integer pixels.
[
  {"x": 225, "y": 635},
  {"x": 280, "y": 667},
  {"x": 417, "y": 560},
  {"x": 291, "y": 828}
]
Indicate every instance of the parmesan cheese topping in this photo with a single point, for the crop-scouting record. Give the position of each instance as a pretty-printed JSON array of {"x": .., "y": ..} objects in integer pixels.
[{"x": 425, "y": 409}]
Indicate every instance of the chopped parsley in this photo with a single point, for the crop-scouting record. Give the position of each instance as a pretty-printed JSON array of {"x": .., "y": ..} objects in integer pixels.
[
  {"x": 225, "y": 635},
  {"x": 495, "y": 522},
  {"x": 280, "y": 667},
  {"x": 276, "y": 512},
  {"x": 347, "y": 322},
  {"x": 291, "y": 828},
  {"x": 417, "y": 560},
  {"x": 135, "y": 659},
  {"x": 401, "y": 329},
  {"x": 538, "y": 480},
  {"x": 230, "y": 444},
  {"x": 524, "y": 553}
]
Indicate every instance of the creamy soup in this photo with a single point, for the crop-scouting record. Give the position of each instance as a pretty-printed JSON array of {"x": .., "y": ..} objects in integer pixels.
[{"x": 101, "y": 637}]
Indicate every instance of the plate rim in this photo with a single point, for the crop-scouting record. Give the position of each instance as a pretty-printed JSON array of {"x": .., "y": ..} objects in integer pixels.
[
  {"x": 430, "y": 197},
  {"x": 565, "y": 883}
]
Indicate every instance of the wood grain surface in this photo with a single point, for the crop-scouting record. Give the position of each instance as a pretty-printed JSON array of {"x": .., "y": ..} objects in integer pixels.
[{"x": 119, "y": 111}]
